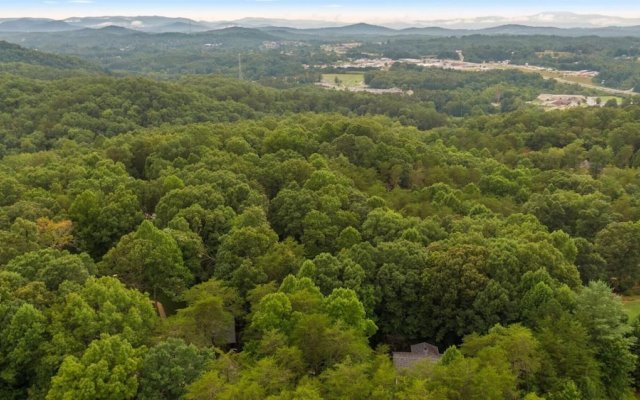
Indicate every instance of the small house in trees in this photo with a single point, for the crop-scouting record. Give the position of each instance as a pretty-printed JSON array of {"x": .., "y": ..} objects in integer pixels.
[
  {"x": 418, "y": 352},
  {"x": 230, "y": 333}
]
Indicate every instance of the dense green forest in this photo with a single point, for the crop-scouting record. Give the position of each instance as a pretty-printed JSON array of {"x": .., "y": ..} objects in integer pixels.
[{"x": 202, "y": 237}]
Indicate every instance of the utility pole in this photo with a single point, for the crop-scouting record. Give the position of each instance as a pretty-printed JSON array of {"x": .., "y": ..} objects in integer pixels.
[{"x": 239, "y": 66}]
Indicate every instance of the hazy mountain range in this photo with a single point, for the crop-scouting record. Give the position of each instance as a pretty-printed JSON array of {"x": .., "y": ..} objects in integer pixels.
[
  {"x": 152, "y": 24},
  {"x": 561, "y": 24},
  {"x": 547, "y": 19}
]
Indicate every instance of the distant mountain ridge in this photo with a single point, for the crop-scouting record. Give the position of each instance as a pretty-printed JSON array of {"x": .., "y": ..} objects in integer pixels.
[
  {"x": 291, "y": 28},
  {"x": 359, "y": 30},
  {"x": 544, "y": 19}
]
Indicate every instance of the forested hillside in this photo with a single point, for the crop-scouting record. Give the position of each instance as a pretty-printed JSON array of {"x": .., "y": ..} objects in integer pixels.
[
  {"x": 205, "y": 237},
  {"x": 31, "y": 63},
  {"x": 11, "y": 53},
  {"x": 38, "y": 112}
]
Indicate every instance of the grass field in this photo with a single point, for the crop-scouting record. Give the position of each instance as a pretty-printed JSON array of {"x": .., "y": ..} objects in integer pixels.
[
  {"x": 632, "y": 306},
  {"x": 344, "y": 80},
  {"x": 556, "y": 75},
  {"x": 554, "y": 54},
  {"x": 575, "y": 79}
]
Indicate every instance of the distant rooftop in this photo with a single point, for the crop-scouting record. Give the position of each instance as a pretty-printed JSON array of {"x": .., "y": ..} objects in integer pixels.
[{"x": 419, "y": 352}]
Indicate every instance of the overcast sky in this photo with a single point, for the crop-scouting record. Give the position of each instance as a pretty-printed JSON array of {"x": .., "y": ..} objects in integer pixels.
[{"x": 356, "y": 10}]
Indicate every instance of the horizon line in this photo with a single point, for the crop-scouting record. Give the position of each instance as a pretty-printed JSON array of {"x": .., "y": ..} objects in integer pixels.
[
  {"x": 501, "y": 19},
  {"x": 451, "y": 24}
]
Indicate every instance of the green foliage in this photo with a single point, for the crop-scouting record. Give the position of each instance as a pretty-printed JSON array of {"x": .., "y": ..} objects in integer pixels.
[
  {"x": 149, "y": 260},
  {"x": 101, "y": 220},
  {"x": 12, "y": 53},
  {"x": 486, "y": 377},
  {"x": 568, "y": 355},
  {"x": 326, "y": 330},
  {"x": 208, "y": 318},
  {"x": 601, "y": 313},
  {"x": 169, "y": 367},
  {"x": 518, "y": 344},
  {"x": 106, "y": 370},
  {"x": 22, "y": 337},
  {"x": 618, "y": 245},
  {"x": 100, "y": 307},
  {"x": 53, "y": 267}
]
